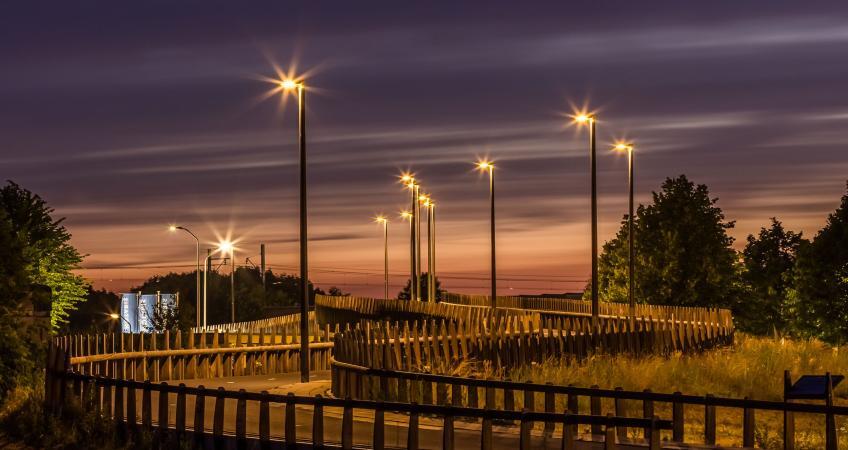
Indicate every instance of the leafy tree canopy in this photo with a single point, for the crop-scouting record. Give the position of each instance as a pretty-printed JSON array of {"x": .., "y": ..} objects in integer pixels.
[
  {"x": 768, "y": 260},
  {"x": 820, "y": 297},
  {"x": 684, "y": 255},
  {"x": 405, "y": 294},
  {"x": 47, "y": 249}
]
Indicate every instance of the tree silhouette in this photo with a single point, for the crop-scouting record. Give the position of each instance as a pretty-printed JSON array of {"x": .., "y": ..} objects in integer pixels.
[
  {"x": 682, "y": 250},
  {"x": 47, "y": 249},
  {"x": 820, "y": 297},
  {"x": 404, "y": 294},
  {"x": 768, "y": 260}
]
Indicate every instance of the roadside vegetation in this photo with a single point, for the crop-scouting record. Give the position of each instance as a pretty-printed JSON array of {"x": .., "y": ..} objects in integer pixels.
[{"x": 753, "y": 367}]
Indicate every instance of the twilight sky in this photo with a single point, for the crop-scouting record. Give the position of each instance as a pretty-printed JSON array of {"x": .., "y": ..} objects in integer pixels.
[{"x": 129, "y": 117}]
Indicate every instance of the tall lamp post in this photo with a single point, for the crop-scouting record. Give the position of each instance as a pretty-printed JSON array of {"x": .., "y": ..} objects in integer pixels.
[
  {"x": 174, "y": 228},
  {"x": 385, "y": 222},
  {"x": 589, "y": 119},
  {"x": 406, "y": 215},
  {"x": 489, "y": 167},
  {"x": 631, "y": 262},
  {"x": 415, "y": 237},
  {"x": 300, "y": 89},
  {"x": 428, "y": 203},
  {"x": 223, "y": 248}
]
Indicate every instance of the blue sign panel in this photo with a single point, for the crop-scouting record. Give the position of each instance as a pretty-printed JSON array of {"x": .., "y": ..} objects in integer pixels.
[
  {"x": 129, "y": 313},
  {"x": 146, "y": 307}
]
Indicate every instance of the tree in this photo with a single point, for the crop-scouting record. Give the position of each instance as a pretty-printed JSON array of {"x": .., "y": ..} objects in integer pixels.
[
  {"x": 18, "y": 354},
  {"x": 405, "y": 294},
  {"x": 337, "y": 292},
  {"x": 47, "y": 248},
  {"x": 768, "y": 260},
  {"x": 820, "y": 296},
  {"x": 683, "y": 253}
]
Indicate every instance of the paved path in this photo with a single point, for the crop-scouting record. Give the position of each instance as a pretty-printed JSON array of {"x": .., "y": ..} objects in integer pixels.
[{"x": 467, "y": 434}]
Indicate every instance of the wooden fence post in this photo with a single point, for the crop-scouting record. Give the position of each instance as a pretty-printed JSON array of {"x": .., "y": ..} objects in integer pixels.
[
  {"x": 595, "y": 410},
  {"x": 568, "y": 432},
  {"x": 347, "y": 426},
  {"x": 524, "y": 431},
  {"x": 609, "y": 435},
  {"x": 146, "y": 414},
  {"x": 447, "y": 432},
  {"x": 709, "y": 421},
  {"x": 788, "y": 416},
  {"x": 647, "y": 411},
  {"x": 678, "y": 419},
  {"x": 218, "y": 419},
  {"x": 241, "y": 420},
  {"x": 118, "y": 411},
  {"x": 486, "y": 432},
  {"x": 162, "y": 429},
  {"x": 291, "y": 424},
  {"x": 620, "y": 412},
  {"x": 549, "y": 407},
  {"x": 199, "y": 416},
  {"x": 317, "y": 421},
  {"x": 829, "y": 418},
  {"x": 412, "y": 432},
  {"x": 654, "y": 435},
  {"x": 180, "y": 418},
  {"x": 131, "y": 411},
  {"x": 264, "y": 421},
  {"x": 748, "y": 426},
  {"x": 379, "y": 436}
]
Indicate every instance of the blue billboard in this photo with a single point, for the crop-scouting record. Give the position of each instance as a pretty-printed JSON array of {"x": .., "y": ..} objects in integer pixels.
[{"x": 138, "y": 311}]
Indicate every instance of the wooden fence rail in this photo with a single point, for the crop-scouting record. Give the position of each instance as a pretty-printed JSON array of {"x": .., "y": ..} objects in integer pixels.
[
  {"x": 288, "y": 324},
  {"x": 441, "y": 346},
  {"x": 117, "y": 399},
  {"x": 612, "y": 309},
  {"x": 393, "y": 385},
  {"x": 179, "y": 356}
]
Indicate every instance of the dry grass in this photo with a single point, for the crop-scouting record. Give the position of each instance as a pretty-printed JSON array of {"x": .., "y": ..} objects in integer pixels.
[{"x": 753, "y": 368}]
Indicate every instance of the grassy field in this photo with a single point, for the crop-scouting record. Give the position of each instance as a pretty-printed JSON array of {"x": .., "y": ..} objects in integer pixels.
[{"x": 753, "y": 368}]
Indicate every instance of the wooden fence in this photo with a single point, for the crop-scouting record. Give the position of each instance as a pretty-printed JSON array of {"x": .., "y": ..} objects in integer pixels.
[
  {"x": 116, "y": 399},
  {"x": 176, "y": 356},
  {"x": 392, "y": 385},
  {"x": 441, "y": 346},
  {"x": 581, "y": 307},
  {"x": 287, "y": 324},
  {"x": 351, "y": 310}
]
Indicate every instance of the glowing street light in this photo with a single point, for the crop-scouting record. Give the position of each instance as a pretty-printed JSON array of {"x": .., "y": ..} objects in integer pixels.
[
  {"x": 488, "y": 166},
  {"x": 628, "y": 147},
  {"x": 173, "y": 229},
  {"x": 116, "y": 316},
  {"x": 589, "y": 120},
  {"x": 292, "y": 85},
  {"x": 382, "y": 220}
]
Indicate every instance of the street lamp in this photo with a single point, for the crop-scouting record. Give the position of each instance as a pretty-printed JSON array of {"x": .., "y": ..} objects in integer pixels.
[
  {"x": 382, "y": 220},
  {"x": 173, "y": 229},
  {"x": 489, "y": 167},
  {"x": 115, "y": 316},
  {"x": 415, "y": 236},
  {"x": 406, "y": 215},
  {"x": 289, "y": 85},
  {"x": 223, "y": 248},
  {"x": 628, "y": 147},
  {"x": 428, "y": 203},
  {"x": 589, "y": 119}
]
